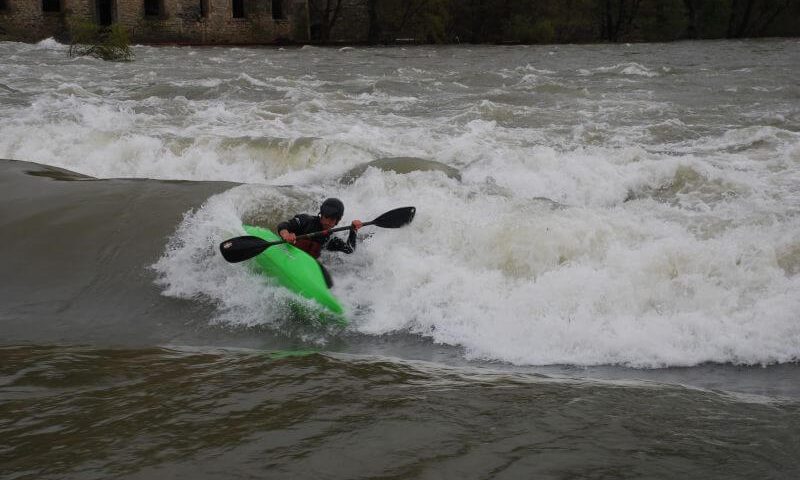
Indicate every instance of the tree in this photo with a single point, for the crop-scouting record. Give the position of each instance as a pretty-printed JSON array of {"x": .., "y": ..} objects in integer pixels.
[
  {"x": 617, "y": 18},
  {"x": 375, "y": 31},
  {"x": 324, "y": 14},
  {"x": 423, "y": 20},
  {"x": 108, "y": 43},
  {"x": 753, "y": 17},
  {"x": 691, "y": 18}
]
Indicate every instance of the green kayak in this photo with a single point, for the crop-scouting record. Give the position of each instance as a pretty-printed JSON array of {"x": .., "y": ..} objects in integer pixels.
[{"x": 299, "y": 272}]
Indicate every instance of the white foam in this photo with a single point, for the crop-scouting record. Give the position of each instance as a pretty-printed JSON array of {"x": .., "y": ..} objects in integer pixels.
[
  {"x": 50, "y": 44},
  {"x": 630, "y": 68},
  {"x": 570, "y": 239},
  {"x": 191, "y": 267},
  {"x": 537, "y": 284}
]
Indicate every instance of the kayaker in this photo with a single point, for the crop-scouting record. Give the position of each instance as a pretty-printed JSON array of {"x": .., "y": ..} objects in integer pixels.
[{"x": 330, "y": 213}]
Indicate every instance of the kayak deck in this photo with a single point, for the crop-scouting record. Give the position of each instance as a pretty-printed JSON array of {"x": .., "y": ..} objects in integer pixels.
[{"x": 297, "y": 271}]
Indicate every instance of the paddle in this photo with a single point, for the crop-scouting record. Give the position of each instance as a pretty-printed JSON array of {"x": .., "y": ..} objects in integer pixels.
[{"x": 239, "y": 249}]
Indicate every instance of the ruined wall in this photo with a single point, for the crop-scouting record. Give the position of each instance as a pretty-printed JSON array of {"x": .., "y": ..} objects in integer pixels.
[
  {"x": 170, "y": 21},
  {"x": 186, "y": 21},
  {"x": 26, "y": 20}
]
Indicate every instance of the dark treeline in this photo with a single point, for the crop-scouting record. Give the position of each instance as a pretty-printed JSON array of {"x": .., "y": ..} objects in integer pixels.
[{"x": 560, "y": 21}]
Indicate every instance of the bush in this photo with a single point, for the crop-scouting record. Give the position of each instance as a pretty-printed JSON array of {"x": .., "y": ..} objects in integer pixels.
[
  {"x": 107, "y": 43},
  {"x": 524, "y": 30}
]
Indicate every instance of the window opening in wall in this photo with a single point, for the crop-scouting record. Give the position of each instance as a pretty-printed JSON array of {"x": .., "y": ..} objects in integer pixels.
[
  {"x": 51, "y": 5},
  {"x": 277, "y": 10},
  {"x": 152, "y": 8},
  {"x": 204, "y": 8},
  {"x": 3, "y": 5},
  {"x": 105, "y": 12},
  {"x": 238, "y": 8}
]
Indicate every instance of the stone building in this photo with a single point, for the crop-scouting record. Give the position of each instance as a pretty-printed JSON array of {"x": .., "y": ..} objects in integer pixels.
[{"x": 163, "y": 21}]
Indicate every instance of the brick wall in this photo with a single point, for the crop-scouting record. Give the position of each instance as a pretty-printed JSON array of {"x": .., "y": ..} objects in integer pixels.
[
  {"x": 25, "y": 20},
  {"x": 177, "y": 21}
]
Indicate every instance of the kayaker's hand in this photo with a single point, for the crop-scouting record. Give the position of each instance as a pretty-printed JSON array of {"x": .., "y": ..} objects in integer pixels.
[
  {"x": 356, "y": 224},
  {"x": 288, "y": 236}
]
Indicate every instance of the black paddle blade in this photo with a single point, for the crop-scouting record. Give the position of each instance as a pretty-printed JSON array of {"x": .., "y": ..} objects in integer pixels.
[
  {"x": 395, "y": 218},
  {"x": 240, "y": 249}
]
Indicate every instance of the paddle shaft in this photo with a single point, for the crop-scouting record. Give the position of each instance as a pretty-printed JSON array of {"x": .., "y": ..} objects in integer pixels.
[
  {"x": 242, "y": 248},
  {"x": 321, "y": 232}
]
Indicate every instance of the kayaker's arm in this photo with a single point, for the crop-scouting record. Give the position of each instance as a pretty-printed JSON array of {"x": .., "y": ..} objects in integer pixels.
[
  {"x": 336, "y": 244},
  {"x": 293, "y": 224},
  {"x": 290, "y": 228}
]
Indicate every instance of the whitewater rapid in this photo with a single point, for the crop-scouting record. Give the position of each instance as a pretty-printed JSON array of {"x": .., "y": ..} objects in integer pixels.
[{"x": 632, "y": 205}]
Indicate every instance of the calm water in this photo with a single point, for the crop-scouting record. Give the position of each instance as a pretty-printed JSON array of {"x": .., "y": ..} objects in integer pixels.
[{"x": 601, "y": 281}]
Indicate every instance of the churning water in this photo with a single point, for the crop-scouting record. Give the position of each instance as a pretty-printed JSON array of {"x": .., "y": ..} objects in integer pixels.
[{"x": 577, "y": 206}]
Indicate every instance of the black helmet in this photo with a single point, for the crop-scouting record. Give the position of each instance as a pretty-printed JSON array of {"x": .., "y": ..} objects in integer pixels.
[{"x": 332, "y": 208}]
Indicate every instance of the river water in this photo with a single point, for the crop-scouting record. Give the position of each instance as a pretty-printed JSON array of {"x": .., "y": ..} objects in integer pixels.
[{"x": 602, "y": 279}]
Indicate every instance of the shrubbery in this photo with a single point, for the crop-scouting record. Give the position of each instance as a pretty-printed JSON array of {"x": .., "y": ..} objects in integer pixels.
[{"x": 108, "y": 43}]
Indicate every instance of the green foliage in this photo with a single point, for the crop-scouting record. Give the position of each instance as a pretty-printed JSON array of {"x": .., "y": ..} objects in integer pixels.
[
  {"x": 545, "y": 21},
  {"x": 524, "y": 30},
  {"x": 423, "y": 20},
  {"x": 434, "y": 18},
  {"x": 107, "y": 43},
  {"x": 434, "y": 28},
  {"x": 576, "y": 21},
  {"x": 663, "y": 20}
]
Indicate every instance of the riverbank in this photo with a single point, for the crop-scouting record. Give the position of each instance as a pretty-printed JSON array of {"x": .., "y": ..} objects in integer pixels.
[{"x": 429, "y": 22}]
